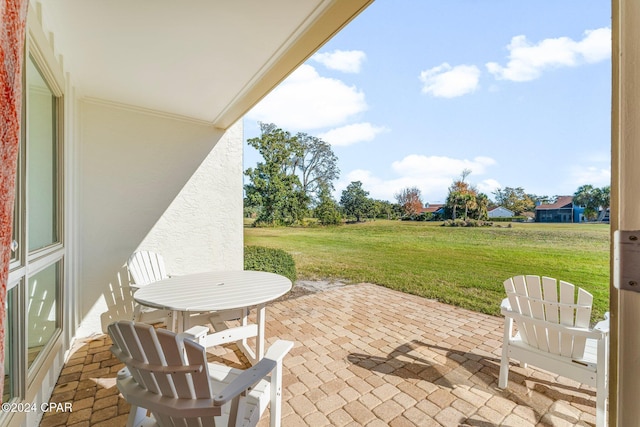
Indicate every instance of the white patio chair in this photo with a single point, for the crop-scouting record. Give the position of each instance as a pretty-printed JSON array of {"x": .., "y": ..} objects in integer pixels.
[
  {"x": 147, "y": 267},
  {"x": 554, "y": 334},
  {"x": 168, "y": 375}
]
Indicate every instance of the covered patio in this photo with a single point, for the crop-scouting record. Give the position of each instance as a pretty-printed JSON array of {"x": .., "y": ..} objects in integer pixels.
[
  {"x": 364, "y": 355},
  {"x": 145, "y": 140}
]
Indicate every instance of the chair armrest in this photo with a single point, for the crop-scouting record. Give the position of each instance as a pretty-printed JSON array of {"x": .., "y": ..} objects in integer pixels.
[
  {"x": 603, "y": 325},
  {"x": 278, "y": 350},
  {"x": 196, "y": 334},
  {"x": 253, "y": 375},
  {"x": 505, "y": 305}
]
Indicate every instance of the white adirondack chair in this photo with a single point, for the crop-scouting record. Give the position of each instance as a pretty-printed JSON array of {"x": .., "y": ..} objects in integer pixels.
[
  {"x": 147, "y": 267},
  {"x": 168, "y": 375},
  {"x": 554, "y": 334}
]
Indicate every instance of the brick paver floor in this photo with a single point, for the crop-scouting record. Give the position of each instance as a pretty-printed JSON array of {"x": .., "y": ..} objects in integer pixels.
[{"x": 365, "y": 355}]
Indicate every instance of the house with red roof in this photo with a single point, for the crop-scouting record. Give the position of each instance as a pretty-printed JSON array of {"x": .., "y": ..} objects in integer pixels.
[
  {"x": 563, "y": 210},
  {"x": 433, "y": 210}
]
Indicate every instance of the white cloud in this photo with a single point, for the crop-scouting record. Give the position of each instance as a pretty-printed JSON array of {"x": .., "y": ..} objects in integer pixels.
[
  {"x": 352, "y": 134},
  {"x": 593, "y": 175},
  {"x": 420, "y": 166},
  {"x": 347, "y": 61},
  {"x": 527, "y": 61},
  {"x": 488, "y": 186},
  {"x": 445, "y": 81},
  {"x": 431, "y": 174},
  {"x": 306, "y": 100},
  {"x": 596, "y": 45},
  {"x": 381, "y": 189}
]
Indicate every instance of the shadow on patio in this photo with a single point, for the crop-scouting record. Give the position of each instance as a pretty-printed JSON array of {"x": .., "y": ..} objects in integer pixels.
[{"x": 366, "y": 356}]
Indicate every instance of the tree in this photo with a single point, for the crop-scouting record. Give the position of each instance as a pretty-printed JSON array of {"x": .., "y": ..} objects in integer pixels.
[
  {"x": 593, "y": 199},
  {"x": 386, "y": 210},
  {"x": 355, "y": 201},
  {"x": 541, "y": 200},
  {"x": 327, "y": 209},
  {"x": 461, "y": 196},
  {"x": 291, "y": 176},
  {"x": 316, "y": 165},
  {"x": 273, "y": 184},
  {"x": 603, "y": 196},
  {"x": 514, "y": 199},
  {"x": 469, "y": 199},
  {"x": 410, "y": 201},
  {"x": 584, "y": 196},
  {"x": 482, "y": 206}
]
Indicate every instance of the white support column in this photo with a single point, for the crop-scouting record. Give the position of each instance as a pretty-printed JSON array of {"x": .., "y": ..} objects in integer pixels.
[{"x": 625, "y": 207}]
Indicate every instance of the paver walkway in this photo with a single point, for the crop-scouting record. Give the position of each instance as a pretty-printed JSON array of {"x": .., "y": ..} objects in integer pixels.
[{"x": 366, "y": 356}]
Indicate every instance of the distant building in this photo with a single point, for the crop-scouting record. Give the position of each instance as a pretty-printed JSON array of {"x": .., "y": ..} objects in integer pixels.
[
  {"x": 563, "y": 210},
  {"x": 434, "y": 209},
  {"x": 500, "y": 212}
]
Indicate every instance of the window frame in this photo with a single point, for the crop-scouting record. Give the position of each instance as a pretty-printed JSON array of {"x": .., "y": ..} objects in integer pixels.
[
  {"x": 58, "y": 134},
  {"x": 25, "y": 379}
]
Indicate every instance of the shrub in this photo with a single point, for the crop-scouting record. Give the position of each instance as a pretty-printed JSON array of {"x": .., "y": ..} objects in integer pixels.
[
  {"x": 328, "y": 215},
  {"x": 309, "y": 222},
  {"x": 510, "y": 219},
  {"x": 260, "y": 258},
  {"x": 468, "y": 223}
]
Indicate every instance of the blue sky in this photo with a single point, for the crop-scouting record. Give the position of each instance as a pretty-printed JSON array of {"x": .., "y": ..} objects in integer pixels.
[{"x": 413, "y": 92}]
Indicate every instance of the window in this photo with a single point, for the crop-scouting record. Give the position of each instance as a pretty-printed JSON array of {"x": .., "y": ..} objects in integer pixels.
[
  {"x": 9, "y": 390},
  {"x": 16, "y": 226},
  {"x": 42, "y": 161},
  {"x": 43, "y": 316},
  {"x": 36, "y": 278},
  {"x": 16, "y": 236}
]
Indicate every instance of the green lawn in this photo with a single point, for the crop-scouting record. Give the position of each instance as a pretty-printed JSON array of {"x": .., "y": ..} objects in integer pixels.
[{"x": 459, "y": 266}]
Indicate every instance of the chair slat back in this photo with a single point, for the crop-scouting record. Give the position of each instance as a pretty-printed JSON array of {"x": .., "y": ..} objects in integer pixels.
[
  {"x": 149, "y": 348},
  {"x": 583, "y": 317},
  {"x": 551, "y": 309},
  {"x": 173, "y": 357},
  {"x": 146, "y": 267},
  {"x": 567, "y": 316},
  {"x": 534, "y": 297},
  {"x": 517, "y": 291},
  {"x": 534, "y": 287},
  {"x": 136, "y": 352},
  {"x": 196, "y": 353}
]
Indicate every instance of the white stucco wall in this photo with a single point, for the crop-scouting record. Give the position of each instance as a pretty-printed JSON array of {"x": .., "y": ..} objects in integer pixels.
[
  {"x": 202, "y": 228},
  {"x": 158, "y": 183}
]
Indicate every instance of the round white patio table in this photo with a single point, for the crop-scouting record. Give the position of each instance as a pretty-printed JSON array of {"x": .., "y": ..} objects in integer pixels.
[{"x": 217, "y": 291}]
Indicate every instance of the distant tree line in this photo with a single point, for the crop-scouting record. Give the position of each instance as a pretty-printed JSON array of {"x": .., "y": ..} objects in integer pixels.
[
  {"x": 464, "y": 201},
  {"x": 295, "y": 182}
]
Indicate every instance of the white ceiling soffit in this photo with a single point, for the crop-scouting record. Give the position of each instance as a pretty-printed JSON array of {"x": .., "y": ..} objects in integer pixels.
[{"x": 209, "y": 60}]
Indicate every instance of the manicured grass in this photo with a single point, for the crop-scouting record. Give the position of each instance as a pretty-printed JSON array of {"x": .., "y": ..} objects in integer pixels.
[{"x": 459, "y": 266}]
